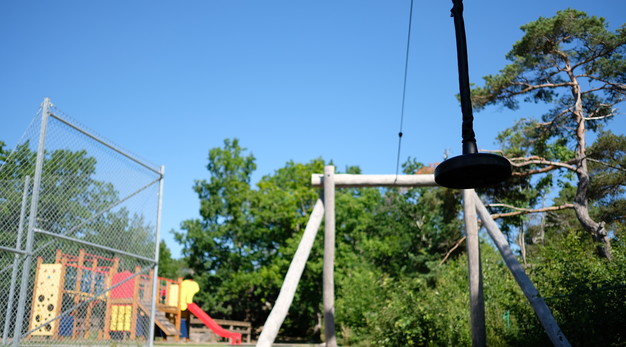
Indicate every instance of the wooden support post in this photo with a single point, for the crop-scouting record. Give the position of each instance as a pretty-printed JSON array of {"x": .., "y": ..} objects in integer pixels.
[
  {"x": 92, "y": 287},
  {"x": 60, "y": 295},
  {"x": 329, "y": 257},
  {"x": 168, "y": 286},
  {"x": 179, "y": 314},
  {"x": 536, "y": 301},
  {"x": 77, "y": 296},
  {"x": 134, "y": 313},
  {"x": 477, "y": 300},
  {"x": 109, "y": 283},
  {"x": 288, "y": 289}
]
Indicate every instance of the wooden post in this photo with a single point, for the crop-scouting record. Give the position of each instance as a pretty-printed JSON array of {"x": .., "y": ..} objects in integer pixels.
[
  {"x": 477, "y": 300},
  {"x": 179, "y": 314},
  {"x": 78, "y": 295},
  {"x": 90, "y": 305},
  {"x": 536, "y": 301},
  {"x": 60, "y": 295},
  {"x": 288, "y": 289},
  {"x": 134, "y": 313},
  {"x": 329, "y": 256},
  {"x": 109, "y": 283}
]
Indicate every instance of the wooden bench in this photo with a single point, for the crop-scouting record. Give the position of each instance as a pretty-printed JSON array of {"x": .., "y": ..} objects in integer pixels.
[{"x": 204, "y": 334}]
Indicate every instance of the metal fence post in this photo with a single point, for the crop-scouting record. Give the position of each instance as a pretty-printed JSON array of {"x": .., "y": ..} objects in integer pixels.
[
  {"x": 155, "y": 273},
  {"x": 17, "y": 332},
  {"x": 16, "y": 262}
]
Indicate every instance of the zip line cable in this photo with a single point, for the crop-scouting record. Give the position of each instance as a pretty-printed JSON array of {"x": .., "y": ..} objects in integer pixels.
[{"x": 406, "y": 68}]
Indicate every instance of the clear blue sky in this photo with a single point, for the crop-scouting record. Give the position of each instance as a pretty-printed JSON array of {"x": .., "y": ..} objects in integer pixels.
[{"x": 293, "y": 80}]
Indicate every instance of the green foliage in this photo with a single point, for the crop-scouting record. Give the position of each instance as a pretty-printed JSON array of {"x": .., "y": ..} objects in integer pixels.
[
  {"x": 169, "y": 267},
  {"x": 607, "y": 188},
  {"x": 585, "y": 293},
  {"x": 434, "y": 311},
  {"x": 69, "y": 195}
]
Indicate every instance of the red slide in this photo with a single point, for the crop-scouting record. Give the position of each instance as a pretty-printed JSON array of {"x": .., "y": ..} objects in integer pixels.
[{"x": 235, "y": 338}]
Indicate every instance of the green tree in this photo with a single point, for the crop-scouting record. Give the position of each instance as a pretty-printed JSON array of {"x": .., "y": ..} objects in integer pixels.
[
  {"x": 242, "y": 244},
  {"x": 169, "y": 267},
  {"x": 575, "y": 64},
  {"x": 71, "y": 202}
]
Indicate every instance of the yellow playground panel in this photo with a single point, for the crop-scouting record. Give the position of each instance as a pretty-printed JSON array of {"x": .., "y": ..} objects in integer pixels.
[{"x": 47, "y": 298}]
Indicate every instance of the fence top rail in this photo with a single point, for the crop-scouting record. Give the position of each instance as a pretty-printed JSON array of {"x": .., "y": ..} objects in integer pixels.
[
  {"x": 356, "y": 181},
  {"x": 107, "y": 144}
]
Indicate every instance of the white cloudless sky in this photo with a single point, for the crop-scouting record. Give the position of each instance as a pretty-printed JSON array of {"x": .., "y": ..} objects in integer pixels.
[{"x": 292, "y": 80}]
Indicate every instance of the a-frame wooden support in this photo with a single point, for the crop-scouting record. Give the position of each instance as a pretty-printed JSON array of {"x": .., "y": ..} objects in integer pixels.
[{"x": 471, "y": 205}]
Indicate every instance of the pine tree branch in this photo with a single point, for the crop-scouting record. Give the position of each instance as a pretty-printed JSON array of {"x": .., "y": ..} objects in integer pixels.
[
  {"x": 530, "y": 87},
  {"x": 606, "y": 164},
  {"x": 519, "y": 210},
  {"x": 599, "y": 117},
  {"x": 492, "y": 151},
  {"x": 552, "y": 165},
  {"x": 616, "y": 85},
  {"x": 555, "y": 118}
]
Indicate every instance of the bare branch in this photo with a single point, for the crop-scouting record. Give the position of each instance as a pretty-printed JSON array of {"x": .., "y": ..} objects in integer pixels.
[
  {"x": 593, "y": 90},
  {"x": 619, "y": 86},
  {"x": 532, "y": 157},
  {"x": 492, "y": 151},
  {"x": 534, "y": 172},
  {"x": 552, "y": 165},
  {"x": 538, "y": 160},
  {"x": 520, "y": 211},
  {"x": 599, "y": 117},
  {"x": 458, "y": 243},
  {"x": 554, "y": 119},
  {"x": 592, "y": 115},
  {"x": 530, "y": 87}
]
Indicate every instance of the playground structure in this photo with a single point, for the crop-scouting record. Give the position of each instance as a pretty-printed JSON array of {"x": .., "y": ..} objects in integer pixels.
[
  {"x": 74, "y": 279},
  {"x": 119, "y": 314},
  {"x": 176, "y": 297}
]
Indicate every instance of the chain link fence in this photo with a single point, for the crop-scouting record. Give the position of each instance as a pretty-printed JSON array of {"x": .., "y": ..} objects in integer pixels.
[{"x": 79, "y": 229}]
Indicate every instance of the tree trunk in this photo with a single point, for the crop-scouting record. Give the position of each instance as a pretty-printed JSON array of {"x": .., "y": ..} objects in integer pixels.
[{"x": 597, "y": 230}]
